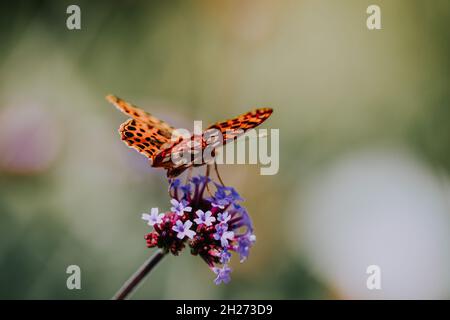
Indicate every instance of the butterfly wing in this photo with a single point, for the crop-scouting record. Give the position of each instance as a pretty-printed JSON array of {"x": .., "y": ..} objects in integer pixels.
[
  {"x": 143, "y": 132},
  {"x": 140, "y": 115},
  {"x": 154, "y": 138},
  {"x": 233, "y": 128},
  {"x": 144, "y": 138},
  {"x": 230, "y": 130}
]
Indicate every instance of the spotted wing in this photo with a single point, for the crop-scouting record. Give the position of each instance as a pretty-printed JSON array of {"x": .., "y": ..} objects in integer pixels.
[
  {"x": 143, "y": 132},
  {"x": 140, "y": 115},
  {"x": 233, "y": 128}
]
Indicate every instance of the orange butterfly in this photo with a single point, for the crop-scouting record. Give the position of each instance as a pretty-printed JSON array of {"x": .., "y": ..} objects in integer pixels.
[{"x": 159, "y": 142}]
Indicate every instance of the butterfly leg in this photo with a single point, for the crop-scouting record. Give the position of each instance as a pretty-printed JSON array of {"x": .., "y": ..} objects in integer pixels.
[
  {"x": 170, "y": 180},
  {"x": 217, "y": 173},
  {"x": 208, "y": 169}
]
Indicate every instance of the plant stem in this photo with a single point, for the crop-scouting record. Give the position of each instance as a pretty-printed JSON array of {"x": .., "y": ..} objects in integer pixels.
[{"x": 137, "y": 278}]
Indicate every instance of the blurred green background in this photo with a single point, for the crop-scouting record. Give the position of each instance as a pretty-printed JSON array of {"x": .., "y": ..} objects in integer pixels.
[{"x": 364, "y": 143}]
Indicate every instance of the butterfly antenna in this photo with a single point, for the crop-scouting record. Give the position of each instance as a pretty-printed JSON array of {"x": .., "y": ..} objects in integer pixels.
[
  {"x": 170, "y": 180},
  {"x": 217, "y": 173}
]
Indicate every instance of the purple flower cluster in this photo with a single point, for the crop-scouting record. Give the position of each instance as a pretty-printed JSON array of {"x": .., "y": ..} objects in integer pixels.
[{"x": 213, "y": 225}]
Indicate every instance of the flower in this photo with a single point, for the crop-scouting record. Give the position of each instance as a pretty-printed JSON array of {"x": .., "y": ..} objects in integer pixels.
[
  {"x": 186, "y": 189},
  {"x": 244, "y": 244},
  {"x": 212, "y": 223},
  {"x": 225, "y": 256},
  {"x": 183, "y": 230},
  {"x": 204, "y": 218},
  {"x": 223, "y": 235},
  {"x": 180, "y": 207},
  {"x": 225, "y": 196},
  {"x": 223, "y": 217},
  {"x": 153, "y": 217},
  {"x": 223, "y": 274}
]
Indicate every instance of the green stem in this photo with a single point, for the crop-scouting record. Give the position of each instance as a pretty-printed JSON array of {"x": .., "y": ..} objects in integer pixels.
[{"x": 138, "y": 277}]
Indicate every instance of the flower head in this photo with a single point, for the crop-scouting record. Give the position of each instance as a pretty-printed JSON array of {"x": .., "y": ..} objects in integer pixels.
[{"x": 212, "y": 226}]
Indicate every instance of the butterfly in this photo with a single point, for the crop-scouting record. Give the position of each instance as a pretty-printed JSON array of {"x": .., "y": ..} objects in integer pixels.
[{"x": 160, "y": 142}]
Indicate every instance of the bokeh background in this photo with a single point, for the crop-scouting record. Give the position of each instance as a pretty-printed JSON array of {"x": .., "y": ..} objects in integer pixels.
[{"x": 364, "y": 143}]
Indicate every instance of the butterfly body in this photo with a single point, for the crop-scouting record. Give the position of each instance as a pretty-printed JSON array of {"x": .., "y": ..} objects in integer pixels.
[{"x": 161, "y": 143}]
